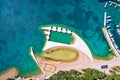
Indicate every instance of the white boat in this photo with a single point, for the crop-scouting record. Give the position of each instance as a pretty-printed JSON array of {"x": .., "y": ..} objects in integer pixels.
[
  {"x": 110, "y": 34},
  {"x": 109, "y": 20},
  {"x": 117, "y": 26},
  {"x": 112, "y": 39},
  {"x": 105, "y": 5},
  {"x": 115, "y": 6},
  {"x": 119, "y": 51},
  {"x": 118, "y": 31},
  {"x": 119, "y": 5},
  {"x": 108, "y": 27},
  {"x": 116, "y": 46},
  {"x": 110, "y": 4},
  {"x": 108, "y": 17}
]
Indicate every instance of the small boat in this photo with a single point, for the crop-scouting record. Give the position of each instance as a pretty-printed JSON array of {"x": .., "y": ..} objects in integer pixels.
[
  {"x": 116, "y": 46},
  {"x": 108, "y": 17},
  {"x": 115, "y": 6},
  {"x": 119, "y": 51},
  {"x": 108, "y": 27},
  {"x": 118, "y": 31},
  {"x": 117, "y": 26},
  {"x": 110, "y": 4},
  {"x": 112, "y": 39},
  {"x": 105, "y": 5},
  {"x": 109, "y": 20}
]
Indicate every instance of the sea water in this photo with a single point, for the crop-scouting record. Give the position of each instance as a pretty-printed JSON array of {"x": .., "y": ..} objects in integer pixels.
[{"x": 20, "y": 21}]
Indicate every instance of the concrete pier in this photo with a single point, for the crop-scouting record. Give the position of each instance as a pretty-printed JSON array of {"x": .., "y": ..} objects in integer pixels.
[
  {"x": 116, "y": 4},
  {"x": 105, "y": 15},
  {"x": 109, "y": 41}
]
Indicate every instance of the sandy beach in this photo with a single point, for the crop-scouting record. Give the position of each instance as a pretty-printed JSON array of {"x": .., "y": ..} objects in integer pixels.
[
  {"x": 81, "y": 63},
  {"x": 10, "y": 73},
  {"x": 81, "y": 60},
  {"x": 84, "y": 60}
]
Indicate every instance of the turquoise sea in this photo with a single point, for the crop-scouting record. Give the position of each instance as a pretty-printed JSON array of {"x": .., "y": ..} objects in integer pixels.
[{"x": 20, "y": 21}]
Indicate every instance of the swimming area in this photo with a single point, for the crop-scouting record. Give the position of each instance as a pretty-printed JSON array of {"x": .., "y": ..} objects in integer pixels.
[{"x": 20, "y": 21}]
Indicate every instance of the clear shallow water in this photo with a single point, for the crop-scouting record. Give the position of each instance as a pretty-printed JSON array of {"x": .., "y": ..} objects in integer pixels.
[{"x": 20, "y": 21}]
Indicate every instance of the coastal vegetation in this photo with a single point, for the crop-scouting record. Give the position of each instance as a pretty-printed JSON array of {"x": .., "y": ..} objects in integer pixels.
[
  {"x": 86, "y": 74},
  {"x": 115, "y": 70},
  {"x": 64, "y": 54}
]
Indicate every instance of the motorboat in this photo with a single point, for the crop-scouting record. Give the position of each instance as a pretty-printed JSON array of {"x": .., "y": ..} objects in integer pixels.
[
  {"x": 118, "y": 31},
  {"x": 109, "y": 20},
  {"x": 105, "y": 5},
  {"x": 108, "y": 27},
  {"x": 108, "y": 17}
]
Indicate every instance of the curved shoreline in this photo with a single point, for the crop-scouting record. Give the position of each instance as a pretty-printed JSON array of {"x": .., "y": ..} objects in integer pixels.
[
  {"x": 9, "y": 73},
  {"x": 64, "y": 26},
  {"x": 82, "y": 62},
  {"x": 12, "y": 72},
  {"x": 62, "y": 65},
  {"x": 78, "y": 44},
  {"x": 106, "y": 58},
  {"x": 110, "y": 42},
  {"x": 58, "y": 46}
]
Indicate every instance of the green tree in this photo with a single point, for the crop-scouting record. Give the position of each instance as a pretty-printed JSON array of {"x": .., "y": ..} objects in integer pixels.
[
  {"x": 88, "y": 74},
  {"x": 75, "y": 73},
  {"x": 117, "y": 77},
  {"x": 79, "y": 78},
  {"x": 110, "y": 77},
  {"x": 92, "y": 74},
  {"x": 10, "y": 79}
]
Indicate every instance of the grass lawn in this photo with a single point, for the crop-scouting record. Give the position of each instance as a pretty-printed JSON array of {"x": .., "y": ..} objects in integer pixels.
[{"x": 60, "y": 54}]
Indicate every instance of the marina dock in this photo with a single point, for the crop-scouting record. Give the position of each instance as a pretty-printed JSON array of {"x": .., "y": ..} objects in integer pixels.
[
  {"x": 109, "y": 41},
  {"x": 105, "y": 14},
  {"x": 109, "y": 36},
  {"x": 116, "y": 4},
  {"x": 112, "y": 4}
]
